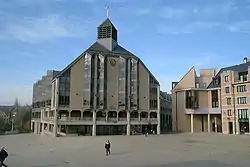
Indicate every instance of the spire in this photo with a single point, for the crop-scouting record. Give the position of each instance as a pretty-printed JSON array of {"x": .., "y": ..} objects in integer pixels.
[{"x": 107, "y": 33}]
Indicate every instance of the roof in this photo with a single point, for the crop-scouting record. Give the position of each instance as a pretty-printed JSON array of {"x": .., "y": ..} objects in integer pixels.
[
  {"x": 106, "y": 22},
  {"x": 98, "y": 48},
  {"x": 238, "y": 68}
]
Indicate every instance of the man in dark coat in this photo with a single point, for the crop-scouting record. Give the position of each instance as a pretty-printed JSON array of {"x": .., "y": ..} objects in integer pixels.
[
  {"x": 107, "y": 147},
  {"x": 3, "y": 156}
]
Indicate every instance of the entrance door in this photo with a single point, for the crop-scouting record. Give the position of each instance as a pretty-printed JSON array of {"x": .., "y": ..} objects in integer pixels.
[{"x": 230, "y": 127}]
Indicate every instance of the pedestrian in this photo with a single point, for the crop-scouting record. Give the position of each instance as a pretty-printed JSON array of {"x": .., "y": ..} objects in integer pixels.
[
  {"x": 3, "y": 156},
  {"x": 107, "y": 147}
]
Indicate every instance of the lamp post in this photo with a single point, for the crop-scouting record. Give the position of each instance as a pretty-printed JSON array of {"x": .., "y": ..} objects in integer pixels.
[{"x": 12, "y": 122}]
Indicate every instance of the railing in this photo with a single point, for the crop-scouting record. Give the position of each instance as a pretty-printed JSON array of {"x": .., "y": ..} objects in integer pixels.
[
  {"x": 122, "y": 119},
  {"x": 112, "y": 119},
  {"x": 144, "y": 119},
  {"x": 134, "y": 119},
  {"x": 74, "y": 119},
  {"x": 153, "y": 119},
  {"x": 101, "y": 118},
  {"x": 87, "y": 118}
]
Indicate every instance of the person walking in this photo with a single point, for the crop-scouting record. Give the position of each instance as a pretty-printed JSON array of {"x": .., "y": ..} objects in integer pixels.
[
  {"x": 107, "y": 147},
  {"x": 3, "y": 156}
]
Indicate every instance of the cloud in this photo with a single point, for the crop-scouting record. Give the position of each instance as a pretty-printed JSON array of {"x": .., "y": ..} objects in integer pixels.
[
  {"x": 32, "y": 29},
  {"x": 188, "y": 28},
  {"x": 205, "y": 11},
  {"x": 171, "y": 13},
  {"x": 10, "y": 92},
  {"x": 142, "y": 12},
  {"x": 241, "y": 27}
]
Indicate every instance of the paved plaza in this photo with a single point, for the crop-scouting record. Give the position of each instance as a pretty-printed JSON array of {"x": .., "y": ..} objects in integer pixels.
[{"x": 177, "y": 150}]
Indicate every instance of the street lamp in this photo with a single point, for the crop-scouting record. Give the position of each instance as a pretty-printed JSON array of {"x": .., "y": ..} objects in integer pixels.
[{"x": 12, "y": 122}]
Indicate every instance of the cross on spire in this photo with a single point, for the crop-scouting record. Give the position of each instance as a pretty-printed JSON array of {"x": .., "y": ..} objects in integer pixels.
[{"x": 107, "y": 11}]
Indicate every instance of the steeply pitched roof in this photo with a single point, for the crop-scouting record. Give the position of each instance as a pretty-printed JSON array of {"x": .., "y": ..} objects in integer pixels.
[
  {"x": 238, "y": 68},
  {"x": 98, "y": 48},
  {"x": 106, "y": 22}
]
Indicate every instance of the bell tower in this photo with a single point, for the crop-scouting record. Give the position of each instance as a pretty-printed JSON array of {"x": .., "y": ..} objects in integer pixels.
[{"x": 107, "y": 34}]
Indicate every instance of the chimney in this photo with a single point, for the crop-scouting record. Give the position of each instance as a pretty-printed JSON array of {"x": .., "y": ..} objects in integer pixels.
[{"x": 245, "y": 60}]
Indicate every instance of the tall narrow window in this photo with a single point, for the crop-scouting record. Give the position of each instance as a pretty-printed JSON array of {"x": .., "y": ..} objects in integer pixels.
[
  {"x": 122, "y": 82},
  {"x": 133, "y": 83},
  {"x": 87, "y": 79},
  {"x": 64, "y": 88},
  {"x": 100, "y": 82},
  {"x": 215, "y": 99},
  {"x": 192, "y": 101}
]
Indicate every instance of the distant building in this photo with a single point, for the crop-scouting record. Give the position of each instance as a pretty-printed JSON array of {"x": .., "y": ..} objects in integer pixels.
[
  {"x": 166, "y": 112},
  {"x": 213, "y": 102},
  {"x": 107, "y": 90},
  {"x": 42, "y": 93}
]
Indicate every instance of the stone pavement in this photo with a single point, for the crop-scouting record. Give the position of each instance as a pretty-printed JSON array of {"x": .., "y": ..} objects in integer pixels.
[{"x": 177, "y": 150}]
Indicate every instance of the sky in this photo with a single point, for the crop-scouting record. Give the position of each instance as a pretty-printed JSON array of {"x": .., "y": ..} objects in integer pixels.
[{"x": 169, "y": 36}]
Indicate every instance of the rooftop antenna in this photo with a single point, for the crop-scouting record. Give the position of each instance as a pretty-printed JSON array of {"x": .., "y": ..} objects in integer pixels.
[{"x": 107, "y": 11}]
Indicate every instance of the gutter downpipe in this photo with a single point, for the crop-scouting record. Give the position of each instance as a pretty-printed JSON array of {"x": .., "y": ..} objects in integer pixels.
[
  {"x": 235, "y": 128},
  {"x": 176, "y": 119}
]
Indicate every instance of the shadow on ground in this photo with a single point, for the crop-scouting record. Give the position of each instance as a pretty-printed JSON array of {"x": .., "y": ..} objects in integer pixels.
[{"x": 198, "y": 163}]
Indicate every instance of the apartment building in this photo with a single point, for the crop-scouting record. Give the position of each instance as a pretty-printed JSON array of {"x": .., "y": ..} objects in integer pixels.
[
  {"x": 166, "y": 112},
  {"x": 42, "y": 93},
  {"x": 212, "y": 102},
  {"x": 107, "y": 90}
]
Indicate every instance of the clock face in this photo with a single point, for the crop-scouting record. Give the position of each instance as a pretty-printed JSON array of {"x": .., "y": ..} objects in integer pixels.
[{"x": 112, "y": 62}]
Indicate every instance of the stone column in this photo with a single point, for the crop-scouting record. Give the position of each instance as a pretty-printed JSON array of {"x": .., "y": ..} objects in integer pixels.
[
  {"x": 158, "y": 111},
  {"x": 208, "y": 123},
  {"x": 192, "y": 123},
  {"x": 215, "y": 124},
  {"x": 55, "y": 124},
  {"x": 128, "y": 123},
  {"x": 94, "y": 124}
]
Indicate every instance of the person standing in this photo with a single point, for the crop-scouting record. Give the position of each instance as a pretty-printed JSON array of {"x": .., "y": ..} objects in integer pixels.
[
  {"x": 107, "y": 147},
  {"x": 3, "y": 156}
]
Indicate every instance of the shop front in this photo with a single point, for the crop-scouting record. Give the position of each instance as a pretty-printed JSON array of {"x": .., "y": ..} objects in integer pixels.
[{"x": 244, "y": 125}]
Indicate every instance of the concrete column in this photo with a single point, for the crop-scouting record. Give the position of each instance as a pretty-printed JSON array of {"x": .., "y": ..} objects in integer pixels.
[
  {"x": 117, "y": 117},
  {"x": 148, "y": 116},
  {"x": 215, "y": 122},
  {"x": 208, "y": 123},
  {"x": 128, "y": 123},
  {"x": 94, "y": 124},
  {"x": 139, "y": 116},
  {"x": 237, "y": 127},
  {"x": 43, "y": 127},
  {"x": 248, "y": 123},
  {"x": 82, "y": 115},
  {"x": 69, "y": 115},
  {"x": 106, "y": 115},
  {"x": 158, "y": 111},
  {"x": 192, "y": 123},
  {"x": 55, "y": 124}
]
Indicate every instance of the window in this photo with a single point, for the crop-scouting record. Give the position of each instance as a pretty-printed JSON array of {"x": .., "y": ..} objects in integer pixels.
[
  {"x": 227, "y": 89},
  {"x": 243, "y": 113},
  {"x": 243, "y": 76},
  {"x": 229, "y": 101},
  {"x": 242, "y": 100},
  {"x": 226, "y": 78},
  {"x": 242, "y": 88},
  {"x": 229, "y": 112},
  {"x": 215, "y": 100},
  {"x": 192, "y": 101}
]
